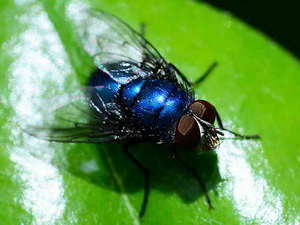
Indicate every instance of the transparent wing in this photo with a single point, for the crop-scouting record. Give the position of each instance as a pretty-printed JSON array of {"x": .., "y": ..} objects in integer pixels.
[
  {"x": 122, "y": 52},
  {"x": 108, "y": 39},
  {"x": 124, "y": 55},
  {"x": 80, "y": 119}
]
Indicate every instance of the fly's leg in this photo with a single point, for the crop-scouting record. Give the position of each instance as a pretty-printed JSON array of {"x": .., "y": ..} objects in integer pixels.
[
  {"x": 144, "y": 170},
  {"x": 144, "y": 43},
  {"x": 201, "y": 79},
  {"x": 206, "y": 74},
  {"x": 143, "y": 29},
  {"x": 143, "y": 33},
  {"x": 196, "y": 175},
  {"x": 180, "y": 73},
  {"x": 219, "y": 121}
]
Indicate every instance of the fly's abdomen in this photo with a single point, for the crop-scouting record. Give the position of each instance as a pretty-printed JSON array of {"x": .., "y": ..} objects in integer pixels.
[
  {"x": 132, "y": 91},
  {"x": 104, "y": 89}
]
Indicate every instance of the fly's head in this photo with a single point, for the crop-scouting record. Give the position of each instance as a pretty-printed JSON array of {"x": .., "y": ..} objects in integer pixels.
[{"x": 195, "y": 129}]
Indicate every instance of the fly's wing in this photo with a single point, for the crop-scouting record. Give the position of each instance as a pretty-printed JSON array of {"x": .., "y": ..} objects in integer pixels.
[
  {"x": 122, "y": 52},
  {"x": 109, "y": 40},
  {"x": 124, "y": 55},
  {"x": 84, "y": 118}
]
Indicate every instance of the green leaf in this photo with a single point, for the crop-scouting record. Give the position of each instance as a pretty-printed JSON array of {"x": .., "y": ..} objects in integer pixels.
[{"x": 255, "y": 89}]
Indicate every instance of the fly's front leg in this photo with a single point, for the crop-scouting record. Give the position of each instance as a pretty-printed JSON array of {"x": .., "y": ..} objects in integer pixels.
[
  {"x": 195, "y": 174},
  {"x": 219, "y": 121},
  {"x": 144, "y": 170}
]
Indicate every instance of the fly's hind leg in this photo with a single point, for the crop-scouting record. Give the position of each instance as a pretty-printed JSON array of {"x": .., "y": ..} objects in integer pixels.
[
  {"x": 143, "y": 29},
  {"x": 143, "y": 33},
  {"x": 220, "y": 123},
  {"x": 206, "y": 74},
  {"x": 144, "y": 43},
  {"x": 198, "y": 81},
  {"x": 145, "y": 171}
]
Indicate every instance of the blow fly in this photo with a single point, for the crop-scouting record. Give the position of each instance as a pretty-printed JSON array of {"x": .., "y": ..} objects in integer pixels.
[{"x": 135, "y": 95}]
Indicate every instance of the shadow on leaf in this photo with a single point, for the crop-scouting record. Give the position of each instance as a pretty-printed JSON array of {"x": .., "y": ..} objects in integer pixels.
[{"x": 167, "y": 174}]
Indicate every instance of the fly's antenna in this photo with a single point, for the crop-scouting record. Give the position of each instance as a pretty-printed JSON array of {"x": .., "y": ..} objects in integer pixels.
[
  {"x": 208, "y": 134},
  {"x": 202, "y": 123}
]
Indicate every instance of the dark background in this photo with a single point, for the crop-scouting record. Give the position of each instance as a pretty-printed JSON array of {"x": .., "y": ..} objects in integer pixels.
[{"x": 279, "y": 20}]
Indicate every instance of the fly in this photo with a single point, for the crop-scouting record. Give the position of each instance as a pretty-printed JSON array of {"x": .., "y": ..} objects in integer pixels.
[{"x": 134, "y": 96}]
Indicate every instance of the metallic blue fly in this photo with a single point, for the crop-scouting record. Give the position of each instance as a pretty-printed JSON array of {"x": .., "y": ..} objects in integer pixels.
[{"x": 135, "y": 95}]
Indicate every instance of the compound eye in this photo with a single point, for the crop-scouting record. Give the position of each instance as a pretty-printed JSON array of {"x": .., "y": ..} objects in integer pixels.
[
  {"x": 204, "y": 110},
  {"x": 187, "y": 132}
]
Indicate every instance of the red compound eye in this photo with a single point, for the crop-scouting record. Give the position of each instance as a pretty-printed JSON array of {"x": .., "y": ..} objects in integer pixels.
[
  {"x": 204, "y": 110},
  {"x": 187, "y": 132}
]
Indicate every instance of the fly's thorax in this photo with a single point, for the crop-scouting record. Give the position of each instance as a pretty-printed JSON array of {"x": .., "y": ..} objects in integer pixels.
[{"x": 155, "y": 104}]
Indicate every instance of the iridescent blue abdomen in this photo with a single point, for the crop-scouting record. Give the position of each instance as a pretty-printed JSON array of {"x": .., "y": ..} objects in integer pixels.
[{"x": 154, "y": 104}]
